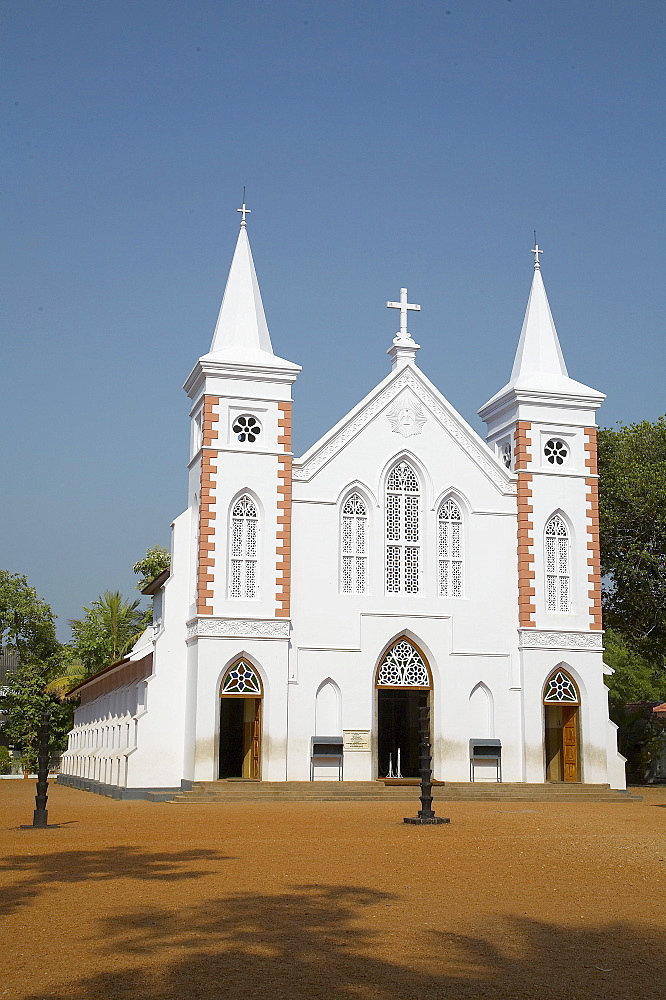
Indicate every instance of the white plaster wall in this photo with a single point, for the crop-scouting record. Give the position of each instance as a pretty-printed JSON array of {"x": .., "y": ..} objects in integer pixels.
[{"x": 159, "y": 757}]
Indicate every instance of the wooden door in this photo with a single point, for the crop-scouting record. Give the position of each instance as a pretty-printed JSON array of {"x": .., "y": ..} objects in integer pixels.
[
  {"x": 570, "y": 741},
  {"x": 256, "y": 738}
]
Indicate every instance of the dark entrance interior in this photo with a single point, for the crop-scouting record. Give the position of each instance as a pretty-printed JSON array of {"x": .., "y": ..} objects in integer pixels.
[
  {"x": 398, "y": 728},
  {"x": 240, "y": 728}
]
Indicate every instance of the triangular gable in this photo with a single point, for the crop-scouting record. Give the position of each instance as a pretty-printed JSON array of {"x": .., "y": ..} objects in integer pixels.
[{"x": 412, "y": 381}]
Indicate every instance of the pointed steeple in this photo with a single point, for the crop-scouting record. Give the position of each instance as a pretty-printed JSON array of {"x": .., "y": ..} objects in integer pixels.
[
  {"x": 539, "y": 352},
  {"x": 241, "y": 325},
  {"x": 539, "y": 371}
]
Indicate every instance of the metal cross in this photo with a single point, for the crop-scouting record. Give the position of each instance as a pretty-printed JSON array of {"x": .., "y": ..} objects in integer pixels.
[
  {"x": 244, "y": 211},
  {"x": 536, "y": 253},
  {"x": 403, "y": 305}
]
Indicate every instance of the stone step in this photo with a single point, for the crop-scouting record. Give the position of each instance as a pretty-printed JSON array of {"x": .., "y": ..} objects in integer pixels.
[{"x": 393, "y": 791}]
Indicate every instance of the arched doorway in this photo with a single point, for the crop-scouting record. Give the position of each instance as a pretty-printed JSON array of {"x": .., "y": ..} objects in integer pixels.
[
  {"x": 561, "y": 737},
  {"x": 403, "y": 684},
  {"x": 240, "y": 722}
]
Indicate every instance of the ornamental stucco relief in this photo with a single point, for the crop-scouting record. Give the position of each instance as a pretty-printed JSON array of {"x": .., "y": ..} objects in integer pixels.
[
  {"x": 227, "y": 628},
  {"x": 406, "y": 416},
  {"x": 538, "y": 639}
]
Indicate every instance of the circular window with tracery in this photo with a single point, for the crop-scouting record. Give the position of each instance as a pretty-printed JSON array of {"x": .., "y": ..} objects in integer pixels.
[
  {"x": 556, "y": 451},
  {"x": 246, "y": 428},
  {"x": 506, "y": 454}
]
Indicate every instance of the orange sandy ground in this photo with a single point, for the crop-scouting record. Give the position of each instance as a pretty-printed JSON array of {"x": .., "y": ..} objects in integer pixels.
[{"x": 331, "y": 901}]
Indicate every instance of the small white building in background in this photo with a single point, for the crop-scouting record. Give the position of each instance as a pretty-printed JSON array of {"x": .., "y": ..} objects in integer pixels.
[{"x": 400, "y": 561}]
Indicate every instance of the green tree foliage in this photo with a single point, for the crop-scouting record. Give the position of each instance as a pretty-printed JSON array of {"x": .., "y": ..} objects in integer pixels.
[
  {"x": 635, "y": 679},
  {"x": 24, "y": 702},
  {"x": 108, "y": 630},
  {"x": 632, "y": 513},
  {"x": 27, "y": 623},
  {"x": 155, "y": 561}
]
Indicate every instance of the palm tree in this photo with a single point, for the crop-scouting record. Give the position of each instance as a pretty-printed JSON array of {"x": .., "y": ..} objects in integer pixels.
[{"x": 108, "y": 630}]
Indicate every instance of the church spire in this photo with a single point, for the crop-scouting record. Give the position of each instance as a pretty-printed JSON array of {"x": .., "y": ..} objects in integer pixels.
[
  {"x": 241, "y": 325},
  {"x": 539, "y": 352}
]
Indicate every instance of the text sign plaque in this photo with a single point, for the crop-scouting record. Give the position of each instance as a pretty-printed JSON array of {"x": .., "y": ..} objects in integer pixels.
[{"x": 356, "y": 739}]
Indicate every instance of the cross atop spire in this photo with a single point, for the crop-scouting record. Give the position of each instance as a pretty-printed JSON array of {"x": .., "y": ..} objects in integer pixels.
[
  {"x": 403, "y": 349},
  {"x": 244, "y": 211},
  {"x": 403, "y": 305},
  {"x": 536, "y": 253}
]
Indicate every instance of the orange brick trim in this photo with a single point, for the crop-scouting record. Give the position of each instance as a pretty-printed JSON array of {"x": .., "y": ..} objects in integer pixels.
[
  {"x": 526, "y": 574},
  {"x": 283, "y": 534},
  {"x": 206, "y": 548},
  {"x": 593, "y": 551}
]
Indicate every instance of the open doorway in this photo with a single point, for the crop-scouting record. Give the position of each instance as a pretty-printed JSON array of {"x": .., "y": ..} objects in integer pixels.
[
  {"x": 240, "y": 723},
  {"x": 403, "y": 686}
]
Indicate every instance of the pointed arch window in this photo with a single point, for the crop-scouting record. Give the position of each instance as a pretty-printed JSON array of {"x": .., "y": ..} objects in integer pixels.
[
  {"x": 403, "y": 666},
  {"x": 354, "y": 530},
  {"x": 450, "y": 551},
  {"x": 558, "y": 572},
  {"x": 403, "y": 500},
  {"x": 241, "y": 679},
  {"x": 560, "y": 689},
  {"x": 243, "y": 570}
]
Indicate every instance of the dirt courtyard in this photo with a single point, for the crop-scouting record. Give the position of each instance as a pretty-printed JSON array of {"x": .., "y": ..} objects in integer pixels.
[{"x": 331, "y": 901}]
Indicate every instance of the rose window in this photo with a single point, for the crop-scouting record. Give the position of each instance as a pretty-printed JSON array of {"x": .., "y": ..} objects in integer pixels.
[
  {"x": 246, "y": 428},
  {"x": 556, "y": 451},
  {"x": 506, "y": 454}
]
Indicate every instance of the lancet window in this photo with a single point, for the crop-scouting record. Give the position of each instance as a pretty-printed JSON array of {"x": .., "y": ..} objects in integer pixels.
[
  {"x": 558, "y": 572},
  {"x": 354, "y": 545},
  {"x": 450, "y": 549},
  {"x": 403, "y": 502},
  {"x": 243, "y": 575}
]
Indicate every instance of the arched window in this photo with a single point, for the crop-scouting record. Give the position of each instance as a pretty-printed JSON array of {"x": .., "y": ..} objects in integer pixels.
[
  {"x": 241, "y": 679},
  {"x": 354, "y": 545},
  {"x": 243, "y": 549},
  {"x": 403, "y": 666},
  {"x": 402, "y": 530},
  {"x": 560, "y": 689},
  {"x": 558, "y": 574},
  {"x": 450, "y": 554}
]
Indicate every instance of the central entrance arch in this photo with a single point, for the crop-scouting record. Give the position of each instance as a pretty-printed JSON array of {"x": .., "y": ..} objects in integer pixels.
[
  {"x": 403, "y": 684},
  {"x": 240, "y": 722}
]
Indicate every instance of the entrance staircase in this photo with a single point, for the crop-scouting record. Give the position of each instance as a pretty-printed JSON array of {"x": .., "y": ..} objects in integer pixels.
[{"x": 238, "y": 790}]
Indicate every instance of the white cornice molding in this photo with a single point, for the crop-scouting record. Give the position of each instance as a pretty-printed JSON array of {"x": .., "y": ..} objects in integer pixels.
[
  {"x": 406, "y": 378},
  {"x": 238, "y": 628},
  {"x": 532, "y": 638}
]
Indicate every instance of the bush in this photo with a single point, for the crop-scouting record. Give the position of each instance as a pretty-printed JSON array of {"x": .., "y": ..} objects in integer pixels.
[{"x": 6, "y": 761}]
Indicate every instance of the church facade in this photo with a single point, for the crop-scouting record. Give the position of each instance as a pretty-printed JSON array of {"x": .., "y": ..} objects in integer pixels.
[{"x": 401, "y": 561}]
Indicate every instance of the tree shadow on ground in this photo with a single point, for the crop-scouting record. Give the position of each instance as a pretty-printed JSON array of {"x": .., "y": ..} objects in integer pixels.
[
  {"x": 314, "y": 943},
  {"x": 44, "y": 871}
]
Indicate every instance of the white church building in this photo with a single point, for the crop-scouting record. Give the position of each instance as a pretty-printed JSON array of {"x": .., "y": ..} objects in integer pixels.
[{"x": 401, "y": 561}]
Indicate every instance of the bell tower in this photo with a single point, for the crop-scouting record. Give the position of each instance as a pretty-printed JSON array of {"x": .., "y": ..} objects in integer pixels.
[{"x": 542, "y": 426}]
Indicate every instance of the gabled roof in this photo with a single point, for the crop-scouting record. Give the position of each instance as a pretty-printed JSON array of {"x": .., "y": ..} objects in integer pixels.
[{"x": 410, "y": 379}]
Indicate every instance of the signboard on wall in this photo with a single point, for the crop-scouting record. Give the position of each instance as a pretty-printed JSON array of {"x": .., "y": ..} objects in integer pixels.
[{"x": 356, "y": 739}]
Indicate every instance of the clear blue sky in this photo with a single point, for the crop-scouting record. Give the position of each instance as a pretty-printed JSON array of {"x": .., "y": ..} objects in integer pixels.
[{"x": 383, "y": 143}]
